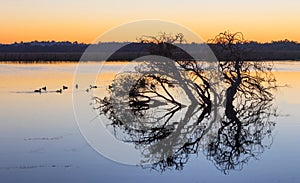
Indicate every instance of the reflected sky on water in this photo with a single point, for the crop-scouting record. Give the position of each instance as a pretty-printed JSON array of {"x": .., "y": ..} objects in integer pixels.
[{"x": 39, "y": 137}]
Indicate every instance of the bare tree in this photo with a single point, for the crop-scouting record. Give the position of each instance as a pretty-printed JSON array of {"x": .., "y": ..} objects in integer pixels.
[{"x": 144, "y": 108}]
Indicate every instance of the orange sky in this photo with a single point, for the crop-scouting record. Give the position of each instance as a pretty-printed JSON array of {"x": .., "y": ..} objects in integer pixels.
[{"x": 84, "y": 21}]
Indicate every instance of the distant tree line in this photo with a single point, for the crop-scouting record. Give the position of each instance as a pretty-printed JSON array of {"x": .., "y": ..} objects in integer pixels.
[{"x": 72, "y": 51}]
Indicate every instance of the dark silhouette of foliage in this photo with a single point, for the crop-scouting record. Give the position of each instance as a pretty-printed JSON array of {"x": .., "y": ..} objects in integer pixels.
[
  {"x": 72, "y": 51},
  {"x": 227, "y": 115}
]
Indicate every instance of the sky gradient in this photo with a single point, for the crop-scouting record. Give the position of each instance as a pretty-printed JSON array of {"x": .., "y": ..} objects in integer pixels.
[{"x": 85, "y": 20}]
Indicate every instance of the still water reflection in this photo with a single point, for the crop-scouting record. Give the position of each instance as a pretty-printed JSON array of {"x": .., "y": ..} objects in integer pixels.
[
  {"x": 228, "y": 116},
  {"x": 39, "y": 137}
]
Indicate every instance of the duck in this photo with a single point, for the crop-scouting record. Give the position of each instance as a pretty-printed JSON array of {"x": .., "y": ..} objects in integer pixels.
[
  {"x": 44, "y": 88},
  {"x": 93, "y": 86},
  {"x": 38, "y": 91},
  {"x": 58, "y": 91},
  {"x": 65, "y": 87}
]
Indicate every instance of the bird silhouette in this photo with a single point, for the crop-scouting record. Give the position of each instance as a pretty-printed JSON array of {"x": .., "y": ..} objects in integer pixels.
[
  {"x": 44, "y": 88},
  {"x": 59, "y": 91},
  {"x": 38, "y": 91},
  {"x": 65, "y": 87},
  {"x": 93, "y": 86}
]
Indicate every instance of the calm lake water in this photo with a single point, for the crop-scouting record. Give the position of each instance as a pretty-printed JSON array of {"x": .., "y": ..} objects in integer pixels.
[{"x": 40, "y": 140}]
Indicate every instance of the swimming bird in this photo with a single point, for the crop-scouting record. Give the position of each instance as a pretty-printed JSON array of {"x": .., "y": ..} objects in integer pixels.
[
  {"x": 44, "y": 88},
  {"x": 93, "y": 86},
  {"x": 58, "y": 91},
  {"x": 38, "y": 91},
  {"x": 65, "y": 87}
]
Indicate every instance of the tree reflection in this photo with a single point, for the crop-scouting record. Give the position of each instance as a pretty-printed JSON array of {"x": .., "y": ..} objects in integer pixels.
[
  {"x": 245, "y": 128},
  {"x": 172, "y": 110}
]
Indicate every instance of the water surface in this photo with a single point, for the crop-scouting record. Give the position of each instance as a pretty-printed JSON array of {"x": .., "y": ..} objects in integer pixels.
[{"x": 40, "y": 140}]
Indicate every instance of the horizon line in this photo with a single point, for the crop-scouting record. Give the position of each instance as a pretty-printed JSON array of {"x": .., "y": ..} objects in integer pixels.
[{"x": 77, "y": 42}]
